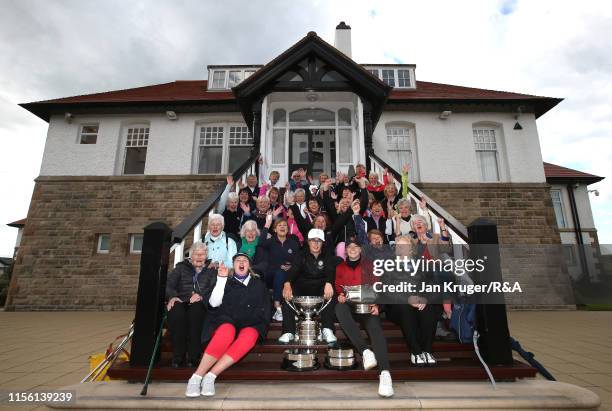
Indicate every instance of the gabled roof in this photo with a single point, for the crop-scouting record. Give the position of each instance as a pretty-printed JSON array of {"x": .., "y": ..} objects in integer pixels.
[
  {"x": 559, "y": 174},
  {"x": 18, "y": 223}
]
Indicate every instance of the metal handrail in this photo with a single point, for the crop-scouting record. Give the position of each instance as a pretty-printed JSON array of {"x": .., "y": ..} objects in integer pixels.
[
  {"x": 195, "y": 217},
  {"x": 458, "y": 230}
]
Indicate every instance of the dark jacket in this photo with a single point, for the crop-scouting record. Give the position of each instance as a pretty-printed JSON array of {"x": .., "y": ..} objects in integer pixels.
[
  {"x": 309, "y": 269},
  {"x": 382, "y": 226},
  {"x": 233, "y": 221},
  {"x": 280, "y": 253},
  {"x": 182, "y": 281},
  {"x": 243, "y": 306}
]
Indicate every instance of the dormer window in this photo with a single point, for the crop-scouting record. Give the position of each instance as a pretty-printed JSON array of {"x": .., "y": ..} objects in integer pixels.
[
  {"x": 226, "y": 77},
  {"x": 399, "y": 76}
]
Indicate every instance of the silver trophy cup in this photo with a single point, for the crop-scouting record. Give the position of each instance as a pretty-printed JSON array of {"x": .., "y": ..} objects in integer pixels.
[
  {"x": 360, "y": 297},
  {"x": 307, "y": 309}
]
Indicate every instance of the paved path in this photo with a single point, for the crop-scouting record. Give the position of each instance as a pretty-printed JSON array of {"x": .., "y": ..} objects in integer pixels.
[{"x": 49, "y": 350}]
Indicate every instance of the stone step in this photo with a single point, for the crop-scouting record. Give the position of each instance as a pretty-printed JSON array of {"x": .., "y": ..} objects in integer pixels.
[{"x": 354, "y": 395}]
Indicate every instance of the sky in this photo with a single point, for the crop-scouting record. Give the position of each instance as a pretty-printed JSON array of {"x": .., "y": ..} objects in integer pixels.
[{"x": 58, "y": 48}]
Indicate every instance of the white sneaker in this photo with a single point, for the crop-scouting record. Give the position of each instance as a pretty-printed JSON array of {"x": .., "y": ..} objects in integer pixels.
[
  {"x": 286, "y": 338},
  {"x": 385, "y": 387},
  {"x": 193, "y": 386},
  {"x": 418, "y": 359},
  {"x": 208, "y": 386},
  {"x": 328, "y": 336},
  {"x": 369, "y": 359},
  {"x": 278, "y": 315},
  {"x": 429, "y": 358}
]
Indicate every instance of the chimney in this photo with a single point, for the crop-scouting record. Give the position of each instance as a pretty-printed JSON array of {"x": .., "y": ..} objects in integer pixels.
[{"x": 343, "y": 38}]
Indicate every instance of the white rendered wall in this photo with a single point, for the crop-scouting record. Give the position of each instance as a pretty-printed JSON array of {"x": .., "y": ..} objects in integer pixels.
[
  {"x": 445, "y": 148},
  {"x": 172, "y": 147}
]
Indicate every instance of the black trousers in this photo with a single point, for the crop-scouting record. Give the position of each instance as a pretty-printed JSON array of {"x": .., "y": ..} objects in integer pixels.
[
  {"x": 371, "y": 323},
  {"x": 305, "y": 289},
  {"x": 185, "y": 322},
  {"x": 418, "y": 327}
]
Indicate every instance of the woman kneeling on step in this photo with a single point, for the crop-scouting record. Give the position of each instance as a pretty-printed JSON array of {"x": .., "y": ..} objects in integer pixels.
[
  {"x": 353, "y": 272},
  {"x": 239, "y": 311}
]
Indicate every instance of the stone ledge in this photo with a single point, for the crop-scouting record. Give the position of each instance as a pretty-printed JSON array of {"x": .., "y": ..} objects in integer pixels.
[
  {"x": 524, "y": 395},
  {"x": 180, "y": 177}
]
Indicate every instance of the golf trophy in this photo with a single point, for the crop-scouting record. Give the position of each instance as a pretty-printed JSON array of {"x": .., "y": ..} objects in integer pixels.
[
  {"x": 360, "y": 297},
  {"x": 304, "y": 358}
]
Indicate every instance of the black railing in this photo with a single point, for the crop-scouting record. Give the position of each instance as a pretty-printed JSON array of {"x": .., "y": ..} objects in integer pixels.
[
  {"x": 455, "y": 225},
  {"x": 189, "y": 222}
]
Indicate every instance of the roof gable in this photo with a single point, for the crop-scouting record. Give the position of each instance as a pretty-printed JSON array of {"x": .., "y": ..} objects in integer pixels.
[{"x": 559, "y": 174}]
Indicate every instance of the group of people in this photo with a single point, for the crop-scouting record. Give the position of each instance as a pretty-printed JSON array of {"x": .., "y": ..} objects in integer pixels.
[{"x": 267, "y": 244}]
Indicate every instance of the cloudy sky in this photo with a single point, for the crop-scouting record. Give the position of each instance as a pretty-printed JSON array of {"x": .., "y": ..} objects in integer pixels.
[{"x": 56, "y": 48}]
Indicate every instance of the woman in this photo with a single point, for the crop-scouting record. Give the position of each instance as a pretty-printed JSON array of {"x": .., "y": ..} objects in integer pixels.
[
  {"x": 418, "y": 318},
  {"x": 282, "y": 248},
  {"x": 276, "y": 206},
  {"x": 250, "y": 244},
  {"x": 262, "y": 206},
  {"x": 353, "y": 272},
  {"x": 221, "y": 248},
  {"x": 229, "y": 209},
  {"x": 312, "y": 273},
  {"x": 375, "y": 187},
  {"x": 238, "y": 317},
  {"x": 185, "y": 287}
]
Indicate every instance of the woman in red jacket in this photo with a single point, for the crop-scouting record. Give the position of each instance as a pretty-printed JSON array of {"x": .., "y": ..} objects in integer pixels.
[{"x": 353, "y": 272}]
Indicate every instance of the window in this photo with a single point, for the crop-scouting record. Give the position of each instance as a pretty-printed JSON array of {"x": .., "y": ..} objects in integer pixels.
[
  {"x": 485, "y": 144},
  {"x": 345, "y": 144},
  {"x": 558, "y": 206},
  {"x": 403, "y": 78},
  {"x": 103, "y": 246},
  {"x": 136, "y": 143},
  {"x": 399, "y": 145},
  {"x": 312, "y": 117},
  {"x": 278, "y": 146},
  {"x": 136, "y": 243},
  {"x": 394, "y": 77},
  {"x": 225, "y": 78},
  {"x": 344, "y": 117},
  {"x": 223, "y": 148},
  {"x": 218, "y": 79},
  {"x": 235, "y": 77},
  {"x": 88, "y": 134},
  {"x": 240, "y": 145},
  {"x": 388, "y": 76},
  {"x": 211, "y": 150}
]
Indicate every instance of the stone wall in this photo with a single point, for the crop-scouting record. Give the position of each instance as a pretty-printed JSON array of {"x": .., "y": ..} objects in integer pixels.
[
  {"x": 527, "y": 232},
  {"x": 57, "y": 266}
]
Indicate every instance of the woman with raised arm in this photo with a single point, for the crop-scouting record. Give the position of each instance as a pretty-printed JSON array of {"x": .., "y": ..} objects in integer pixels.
[{"x": 238, "y": 316}]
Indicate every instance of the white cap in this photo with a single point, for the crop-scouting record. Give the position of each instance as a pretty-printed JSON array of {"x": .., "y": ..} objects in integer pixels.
[
  {"x": 313, "y": 188},
  {"x": 316, "y": 233}
]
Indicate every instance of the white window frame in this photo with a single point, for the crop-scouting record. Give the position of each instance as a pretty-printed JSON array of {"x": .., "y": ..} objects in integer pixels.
[
  {"x": 245, "y": 72},
  {"x": 99, "y": 249},
  {"x": 132, "y": 240},
  {"x": 411, "y": 140},
  {"x": 126, "y": 132},
  {"x": 409, "y": 69},
  {"x": 81, "y": 133},
  {"x": 481, "y": 147},
  {"x": 225, "y": 144},
  {"x": 561, "y": 207}
]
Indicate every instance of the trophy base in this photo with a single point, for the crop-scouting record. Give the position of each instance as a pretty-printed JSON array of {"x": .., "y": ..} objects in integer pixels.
[
  {"x": 340, "y": 364},
  {"x": 300, "y": 360},
  {"x": 340, "y": 357}
]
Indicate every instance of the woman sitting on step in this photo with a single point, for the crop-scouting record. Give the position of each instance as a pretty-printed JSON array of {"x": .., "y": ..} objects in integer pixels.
[
  {"x": 353, "y": 271},
  {"x": 185, "y": 287},
  {"x": 221, "y": 248},
  {"x": 238, "y": 316}
]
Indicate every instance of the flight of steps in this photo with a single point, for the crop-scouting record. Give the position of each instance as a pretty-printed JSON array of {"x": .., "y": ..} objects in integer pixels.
[{"x": 455, "y": 362}]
